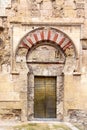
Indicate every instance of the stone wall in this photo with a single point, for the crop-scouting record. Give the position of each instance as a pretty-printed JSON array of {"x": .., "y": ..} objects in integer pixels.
[
  {"x": 17, "y": 19},
  {"x": 77, "y": 116}
]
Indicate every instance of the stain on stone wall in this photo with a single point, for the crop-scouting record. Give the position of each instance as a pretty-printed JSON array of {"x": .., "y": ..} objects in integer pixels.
[{"x": 10, "y": 114}]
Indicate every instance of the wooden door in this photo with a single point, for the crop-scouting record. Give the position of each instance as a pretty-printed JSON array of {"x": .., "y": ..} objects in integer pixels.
[{"x": 45, "y": 97}]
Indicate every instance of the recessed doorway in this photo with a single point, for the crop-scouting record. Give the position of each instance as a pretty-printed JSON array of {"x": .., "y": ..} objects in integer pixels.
[{"x": 44, "y": 97}]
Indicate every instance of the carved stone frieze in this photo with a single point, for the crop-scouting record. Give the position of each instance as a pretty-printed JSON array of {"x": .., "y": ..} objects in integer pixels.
[
  {"x": 47, "y": 8},
  {"x": 58, "y": 11},
  {"x": 80, "y": 5},
  {"x": 35, "y": 10},
  {"x": 80, "y": 9},
  {"x": 80, "y": 13}
]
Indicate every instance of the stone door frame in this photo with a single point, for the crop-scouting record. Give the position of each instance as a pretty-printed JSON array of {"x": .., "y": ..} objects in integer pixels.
[
  {"x": 59, "y": 102},
  {"x": 31, "y": 39}
]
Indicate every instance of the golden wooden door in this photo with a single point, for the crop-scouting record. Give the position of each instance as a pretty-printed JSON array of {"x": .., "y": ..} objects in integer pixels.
[{"x": 45, "y": 97}]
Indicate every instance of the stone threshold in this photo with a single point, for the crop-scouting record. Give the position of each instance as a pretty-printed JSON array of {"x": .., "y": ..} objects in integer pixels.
[{"x": 12, "y": 123}]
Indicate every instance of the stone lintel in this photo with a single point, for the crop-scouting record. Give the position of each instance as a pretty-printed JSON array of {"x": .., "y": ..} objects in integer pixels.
[{"x": 60, "y": 22}]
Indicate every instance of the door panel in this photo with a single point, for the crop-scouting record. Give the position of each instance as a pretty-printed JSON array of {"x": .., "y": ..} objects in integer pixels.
[
  {"x": 39, "y": 95},
  {"x": 45, "y": 97}
]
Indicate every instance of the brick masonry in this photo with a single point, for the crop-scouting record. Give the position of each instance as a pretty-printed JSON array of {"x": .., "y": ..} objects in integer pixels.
[{"x": 48, "y": 34}]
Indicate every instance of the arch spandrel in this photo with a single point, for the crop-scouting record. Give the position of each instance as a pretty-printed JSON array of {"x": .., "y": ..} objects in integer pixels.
[
  {"x": 40, "y": 35},
  {"x": 50, "y": 34}
]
